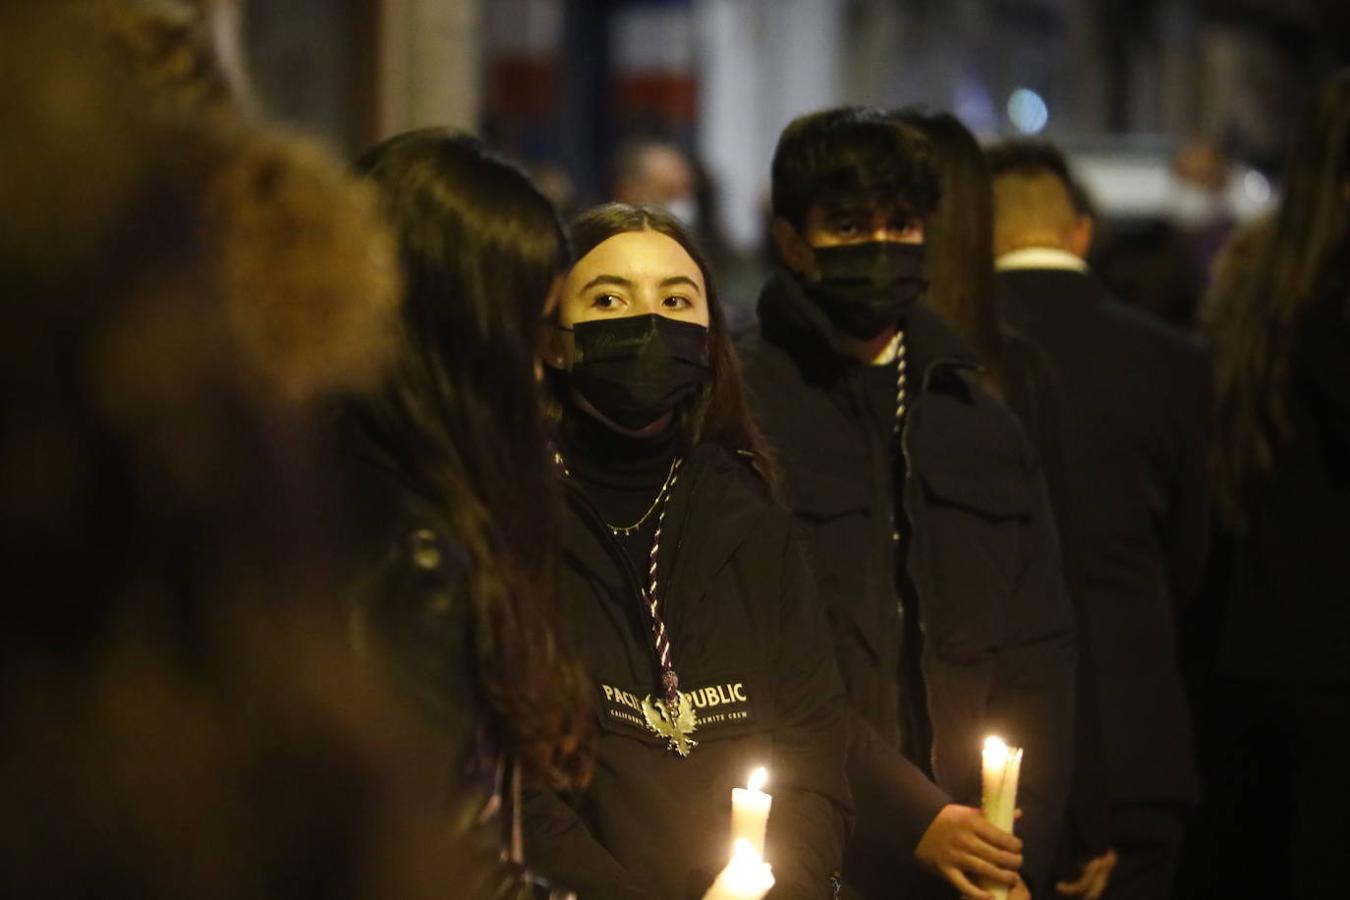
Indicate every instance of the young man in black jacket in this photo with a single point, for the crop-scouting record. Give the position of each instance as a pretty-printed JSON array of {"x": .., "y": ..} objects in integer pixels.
[
  {"x": 927, "y": 521},
  {"x": 1135, "y": 395}
]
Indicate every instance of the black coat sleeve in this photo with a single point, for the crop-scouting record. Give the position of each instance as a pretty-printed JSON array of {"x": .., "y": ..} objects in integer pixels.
[
  {"x": 1032, "y": 695},
  {"x": 1188, "y": 525},
  {"x": 896, "y": 801},
  {"x": 565, "y": 852},
  {"x": 812, "y": 809},
  {"x": 1036, "y": 396},
  {"x": 1087, "y": 831}
]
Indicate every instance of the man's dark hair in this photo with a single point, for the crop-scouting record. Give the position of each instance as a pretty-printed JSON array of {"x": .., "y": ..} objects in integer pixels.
[
  {"x": 851, "y": 153},
  {"x": 1032, "y": 157}
]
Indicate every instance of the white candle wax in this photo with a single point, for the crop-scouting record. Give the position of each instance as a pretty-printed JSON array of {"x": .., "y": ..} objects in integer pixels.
[
  {"x": 750, "y": 812},
  {"x": 1002, "y": 765},
  {"x": 746, "y": 877}
]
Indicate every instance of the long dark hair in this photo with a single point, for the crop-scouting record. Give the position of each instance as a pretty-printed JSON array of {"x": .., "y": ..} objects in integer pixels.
[
  {"x": 458, "y": 421},
  {"x": 959, "y": 240},
  {"x": 719, "y": 414},
  {"x": 1253, "y": 337}
]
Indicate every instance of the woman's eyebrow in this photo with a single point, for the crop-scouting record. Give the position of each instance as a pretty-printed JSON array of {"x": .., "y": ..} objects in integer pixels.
[
  {"x": 681, "y": 279},
  {"x": 615, "y": 280}
]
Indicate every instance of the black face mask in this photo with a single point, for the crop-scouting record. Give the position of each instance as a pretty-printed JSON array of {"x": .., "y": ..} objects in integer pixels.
[
  {"x": 866, "y": 288},
  {"x": 635, "y": 369}
]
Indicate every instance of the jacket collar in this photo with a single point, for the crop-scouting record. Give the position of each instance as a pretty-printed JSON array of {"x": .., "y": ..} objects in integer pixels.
[
  {"x": 790, "y": 320},
  {"x": 712, "y": 512}
]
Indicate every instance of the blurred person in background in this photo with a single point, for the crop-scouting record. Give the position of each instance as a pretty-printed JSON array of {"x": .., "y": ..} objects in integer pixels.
[
  {"x": 1281, "y": 479},
  {"x": 1135, "y": 400},
  {"x": 655, "y": 172},
  {"x": 1201, "y": 213},
  {"x": 461, "y": 603},
  {"x": 897, "y": 464},
  {"x": 1163, "y": 264},
  {"x": 181, "y": 710},
  {"x": 963, "y": 289},
  {"x": 649, "y": 171},
  {"x": 684, "y": 584}
]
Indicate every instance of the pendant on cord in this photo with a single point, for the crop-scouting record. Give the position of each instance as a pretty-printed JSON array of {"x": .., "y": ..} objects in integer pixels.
[{"x": 673, "y": 720}]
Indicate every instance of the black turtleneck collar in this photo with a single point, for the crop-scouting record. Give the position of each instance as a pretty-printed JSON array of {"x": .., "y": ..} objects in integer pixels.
[
  {"x": 620, "y": 475},
  {"x": 789, "y": 319},
  {"x": 596, "y": 454}
]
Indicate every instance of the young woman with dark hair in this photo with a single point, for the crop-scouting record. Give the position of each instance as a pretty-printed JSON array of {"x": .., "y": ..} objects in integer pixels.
[
  {"x": 463, "y": 605},
  {"x": 1281, "y": 479},
  {"x": 684, "y": 586},
  {"x": 962, "y": 287}
]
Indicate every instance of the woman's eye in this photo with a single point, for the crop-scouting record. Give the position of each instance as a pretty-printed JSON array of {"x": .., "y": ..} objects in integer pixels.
[
  {"x": 606, "y": 301},
  {"x": 675, "y": 301}
]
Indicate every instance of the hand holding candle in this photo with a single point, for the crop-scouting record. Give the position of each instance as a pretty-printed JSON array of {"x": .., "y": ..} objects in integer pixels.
[
  {"x": 746, "y": 877},
  {"x": 1001, "y": 767},
  {"x": 750, "y": 813}
]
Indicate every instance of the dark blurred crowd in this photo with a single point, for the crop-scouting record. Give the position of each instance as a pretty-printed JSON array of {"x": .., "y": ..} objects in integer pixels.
[{"x": 369, "y": 531}]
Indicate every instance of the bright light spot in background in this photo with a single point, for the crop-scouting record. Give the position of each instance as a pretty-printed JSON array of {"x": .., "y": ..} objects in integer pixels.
[
  {"x": 1257, "y": 187},
  {"x": 1027, "y": 111},
  {"x": 974, "y": 105}
]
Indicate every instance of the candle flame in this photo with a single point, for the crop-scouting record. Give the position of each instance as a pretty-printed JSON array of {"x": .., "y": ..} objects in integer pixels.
[
  {"x": 995, "y": 751},
  {"x": 744, "y": 851},
  {"x": 758, "y": 779}
]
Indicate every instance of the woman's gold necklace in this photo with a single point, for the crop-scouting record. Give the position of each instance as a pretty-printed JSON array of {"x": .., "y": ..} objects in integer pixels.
[{"x": 625, "y": 530}]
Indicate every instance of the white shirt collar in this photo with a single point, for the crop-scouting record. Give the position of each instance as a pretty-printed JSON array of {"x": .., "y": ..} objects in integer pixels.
[
  {"x": 890, "y": 351},
  {"x": 1040, "y": 258}
]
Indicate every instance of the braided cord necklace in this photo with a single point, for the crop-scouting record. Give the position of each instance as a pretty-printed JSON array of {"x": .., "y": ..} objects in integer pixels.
[
  {"x": 671, "y": 716},
  {"x": 670, "y": 679},
  {"x": 899, "y": 380},
  {"x": 901, "y": 400}
]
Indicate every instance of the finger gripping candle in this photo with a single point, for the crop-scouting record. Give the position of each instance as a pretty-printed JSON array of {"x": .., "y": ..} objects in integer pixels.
[
  {"x": 1001, "y": 767},
  {"x": 750, "y": 812}
]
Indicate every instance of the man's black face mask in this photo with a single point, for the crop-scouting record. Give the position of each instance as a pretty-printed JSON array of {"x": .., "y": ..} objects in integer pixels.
[
  {"x": 866, "y": 288},
  {"x": 635, "y": 369}
]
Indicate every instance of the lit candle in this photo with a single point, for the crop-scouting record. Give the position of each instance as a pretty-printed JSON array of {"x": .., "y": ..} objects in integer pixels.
[
  {"x": 746, "y": 877},
  {"x": 1001, "y": 767},
  {"x": 750, "y": 812}
]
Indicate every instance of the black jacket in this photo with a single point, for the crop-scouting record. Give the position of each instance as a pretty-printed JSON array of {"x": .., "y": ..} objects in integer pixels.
[
  {"x": 1135, "y": 395},
  {"x": 981, "y": 565},
  {"x": 1033, "y": 392},
  {"x": 746, "y": 637}
]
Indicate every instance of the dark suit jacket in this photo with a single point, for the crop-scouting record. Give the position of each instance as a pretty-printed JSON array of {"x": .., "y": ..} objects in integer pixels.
[{"x": 1135, "y": 397}]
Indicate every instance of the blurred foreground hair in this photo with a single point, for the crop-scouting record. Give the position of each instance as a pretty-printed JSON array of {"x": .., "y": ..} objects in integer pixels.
[
  {"x": 182, "y": 715},
  {"x": 1253, "y": 330}
]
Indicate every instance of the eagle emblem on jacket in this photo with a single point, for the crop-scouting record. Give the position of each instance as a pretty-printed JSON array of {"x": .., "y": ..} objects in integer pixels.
[{"x": 674, "y": 722}]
